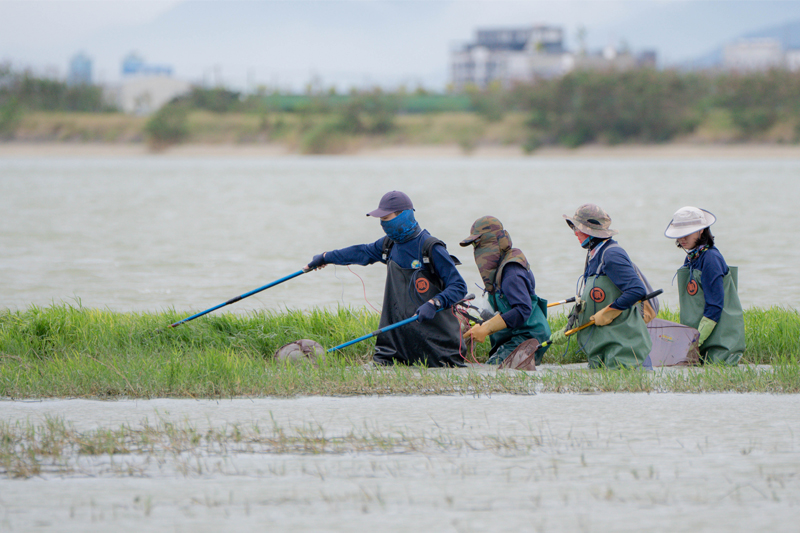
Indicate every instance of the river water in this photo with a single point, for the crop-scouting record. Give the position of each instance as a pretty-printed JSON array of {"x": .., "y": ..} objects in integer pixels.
[
  {"x": 549, "y": 462},
  {"x": 149, "y": 233}
]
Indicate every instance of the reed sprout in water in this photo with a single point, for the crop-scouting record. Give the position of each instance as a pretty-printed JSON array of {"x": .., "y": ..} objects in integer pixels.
[{"x": 70, "y": 351}]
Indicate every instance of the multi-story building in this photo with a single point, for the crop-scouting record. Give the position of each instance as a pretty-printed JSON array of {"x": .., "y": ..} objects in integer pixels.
[
  {"x": 508, "y": 55},
  {"x": 145, "y": 87},
  {"x": 512, "y": 55},
  {"x": 748, "y": 55},
  {"x": 80, "y": 70}
]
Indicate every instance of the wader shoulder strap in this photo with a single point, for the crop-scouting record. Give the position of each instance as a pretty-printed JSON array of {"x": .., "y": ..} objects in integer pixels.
[
  {"x": 649, "y": 288},
  {"x": 427, "y": 246},
  {"x": 387, "y": 247}
]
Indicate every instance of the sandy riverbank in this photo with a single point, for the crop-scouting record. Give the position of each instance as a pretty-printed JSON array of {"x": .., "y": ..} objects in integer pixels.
[{"x": 666, "y": 151}]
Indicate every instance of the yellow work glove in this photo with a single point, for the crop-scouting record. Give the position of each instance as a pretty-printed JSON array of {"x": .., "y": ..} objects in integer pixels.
[
  {"x": 648, "y": 313},
  {"x": 605, "y": 316},
  {"x": 479, "y": 332},
  {"x": 559, "y": 337},
  {"x": 705, "y": 328}
]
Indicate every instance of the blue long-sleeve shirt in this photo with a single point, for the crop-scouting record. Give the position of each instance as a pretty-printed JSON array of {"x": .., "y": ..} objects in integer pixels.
[
  {"x": 455, "y": 288},
  {"x": 517, "y": 285},
  {"x": 619, "y": 269},
  {"x": 713, "y": 266}
]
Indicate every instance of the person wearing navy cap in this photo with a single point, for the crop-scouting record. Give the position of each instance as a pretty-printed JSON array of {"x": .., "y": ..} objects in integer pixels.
[{"x": 421, "y": 279}]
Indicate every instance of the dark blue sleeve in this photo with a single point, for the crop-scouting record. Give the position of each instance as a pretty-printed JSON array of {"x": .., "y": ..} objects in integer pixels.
[
  {"x": 713, "y": 269},
  {"x": 517, "y": 290},
  {"x": 619, "y": 269},
  {"x": 360, "y": 254},
  {"x": 455, "y": 288}
]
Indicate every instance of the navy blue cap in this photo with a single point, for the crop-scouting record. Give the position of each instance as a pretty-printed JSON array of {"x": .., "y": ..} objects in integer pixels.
[{"x": 392, "y": 202}]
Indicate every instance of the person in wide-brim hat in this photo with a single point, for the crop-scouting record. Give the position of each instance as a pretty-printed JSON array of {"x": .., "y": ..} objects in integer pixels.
[
  {"x": 688, "y": 220},
  {"x": 707, "y": 288},
  {"x": 608, "y": 292}
]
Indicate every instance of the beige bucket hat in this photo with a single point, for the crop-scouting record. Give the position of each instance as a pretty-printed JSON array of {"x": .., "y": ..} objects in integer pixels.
[
  {"x": 591, "y": 220},
  {"x": 687, "y": 220}
]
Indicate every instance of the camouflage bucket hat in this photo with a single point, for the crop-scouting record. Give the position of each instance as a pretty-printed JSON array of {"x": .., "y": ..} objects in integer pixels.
[
  {"x": 483, "y": 225},
  {"x": 492, "y": 246},
  {"x": 591, "y": 220}
]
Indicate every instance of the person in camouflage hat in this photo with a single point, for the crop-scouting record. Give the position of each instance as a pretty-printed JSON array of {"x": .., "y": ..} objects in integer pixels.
[
  {"x": 510, "y": 285},
  {"x": 611, "y": 287}
]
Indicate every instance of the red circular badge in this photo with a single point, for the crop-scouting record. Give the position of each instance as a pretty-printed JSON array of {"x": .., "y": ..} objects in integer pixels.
[
  {"x": 597, "y": 294},
  {"x": 691, "y": 288},
  {"x": 422, "y": 285}
]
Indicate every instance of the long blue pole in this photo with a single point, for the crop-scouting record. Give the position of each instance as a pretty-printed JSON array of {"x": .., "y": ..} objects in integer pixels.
[
  {"x": 391, "y": 326},
  {"x": 375, "y": 333},
  {"x": 234, "y": 300}
]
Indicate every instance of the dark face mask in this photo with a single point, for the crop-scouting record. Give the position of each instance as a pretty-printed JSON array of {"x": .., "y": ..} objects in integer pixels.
[{"x": 401, "y": 228}]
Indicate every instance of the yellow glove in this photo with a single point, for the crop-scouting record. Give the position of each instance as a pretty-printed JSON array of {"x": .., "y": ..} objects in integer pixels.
[
  {"x": 479, "y": 332},
  {"x": 706, "y": 327},
  {"x": 558, "y": 337},
  {"x": 605, "y": 316},
  {"x": 648, "y": 312}
]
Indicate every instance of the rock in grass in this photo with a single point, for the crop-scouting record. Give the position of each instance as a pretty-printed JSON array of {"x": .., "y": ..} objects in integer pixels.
[{"x": 299, "y": 352}]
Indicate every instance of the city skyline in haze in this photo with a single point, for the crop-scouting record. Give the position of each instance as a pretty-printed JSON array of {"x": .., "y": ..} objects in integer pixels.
[{"x": 354, "y": 43}]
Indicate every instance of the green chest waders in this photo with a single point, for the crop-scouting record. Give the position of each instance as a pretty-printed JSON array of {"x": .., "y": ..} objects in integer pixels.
[
  {"x": 625, "y": 342},
  {"x": 436, "y": 342},
  {"x": 536, "y": 327},
  {"x": 726, "y": 343}
]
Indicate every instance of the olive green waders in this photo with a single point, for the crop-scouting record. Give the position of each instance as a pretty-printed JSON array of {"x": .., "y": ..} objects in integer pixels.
[
  {"x": 726, "y": 343},
  {"x": 506, "y": 341},
  {"x": 625, "y": 342}
]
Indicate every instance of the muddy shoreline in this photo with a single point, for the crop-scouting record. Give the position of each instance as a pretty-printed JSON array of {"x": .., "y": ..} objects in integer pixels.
[{"x": 277, "y": 150}]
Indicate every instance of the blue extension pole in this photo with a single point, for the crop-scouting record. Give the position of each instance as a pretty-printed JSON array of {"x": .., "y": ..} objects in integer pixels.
[
  {"x": 390, "y": 327},
  {"x": 241, "y": 297}
]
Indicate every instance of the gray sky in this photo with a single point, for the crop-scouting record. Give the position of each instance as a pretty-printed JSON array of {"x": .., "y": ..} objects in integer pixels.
[{"x": 347, "y": 43}]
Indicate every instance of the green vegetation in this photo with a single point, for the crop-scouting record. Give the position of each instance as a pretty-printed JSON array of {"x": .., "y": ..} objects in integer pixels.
[
  {"x": 168, "y": 126},
  {"x": 66, "y": 351},
  {"x": 32, "y": 93},
  {"x": 640, "y": 106}
]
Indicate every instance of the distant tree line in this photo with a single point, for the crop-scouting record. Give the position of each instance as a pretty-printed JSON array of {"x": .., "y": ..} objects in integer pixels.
[
  {"x": 652, "y": 106},
  {"x": 582, "y": 107},
  {"x": 22, "y": 91},
  {"x": 644, "y": 105}
]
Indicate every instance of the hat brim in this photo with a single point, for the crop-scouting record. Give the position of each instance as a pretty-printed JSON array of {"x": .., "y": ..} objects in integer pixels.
[
  {"x": 676, "y": 232},
  {"x": 469, "y": 240},
  {"x": 599, "y": 233},
  {"x": 378, "y": 213}
]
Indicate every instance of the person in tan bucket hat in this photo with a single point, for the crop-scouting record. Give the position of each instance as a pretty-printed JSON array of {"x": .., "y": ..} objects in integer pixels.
[
  {"x": 707, "y": 288},
  {"x": 608, "y": 292}
]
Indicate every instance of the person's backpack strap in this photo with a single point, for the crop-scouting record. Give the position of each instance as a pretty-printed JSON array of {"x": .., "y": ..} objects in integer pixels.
[
  {"x": 387, "y": 247},
  {"x": 427, "y": 246}
]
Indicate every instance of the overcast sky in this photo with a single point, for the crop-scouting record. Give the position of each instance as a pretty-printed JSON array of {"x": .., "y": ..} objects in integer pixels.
[{"x": 347, "y": 43}]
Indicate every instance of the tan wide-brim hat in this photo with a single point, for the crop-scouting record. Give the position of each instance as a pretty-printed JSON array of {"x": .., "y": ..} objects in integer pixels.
[
  {"x": 687, "y": 220},
  {"x": 591, "y": 220}
]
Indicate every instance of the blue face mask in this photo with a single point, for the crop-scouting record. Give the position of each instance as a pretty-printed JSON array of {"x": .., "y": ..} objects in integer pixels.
[
  {"x": 402, "y": 227},
  {"x": 586, "y": 243}
]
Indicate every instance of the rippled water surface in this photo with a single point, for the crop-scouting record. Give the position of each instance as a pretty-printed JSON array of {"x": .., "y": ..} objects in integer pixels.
[
  {"x": 549, "y": 462},
  {"x": 150, "y": 233}
]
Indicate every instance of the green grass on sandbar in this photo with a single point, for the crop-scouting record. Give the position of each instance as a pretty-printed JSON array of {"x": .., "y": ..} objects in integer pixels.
[{"x": 67, "y": 351}]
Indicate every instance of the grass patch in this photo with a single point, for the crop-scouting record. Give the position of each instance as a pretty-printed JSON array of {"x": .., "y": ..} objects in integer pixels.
[{"x": 68, "y": 351}]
